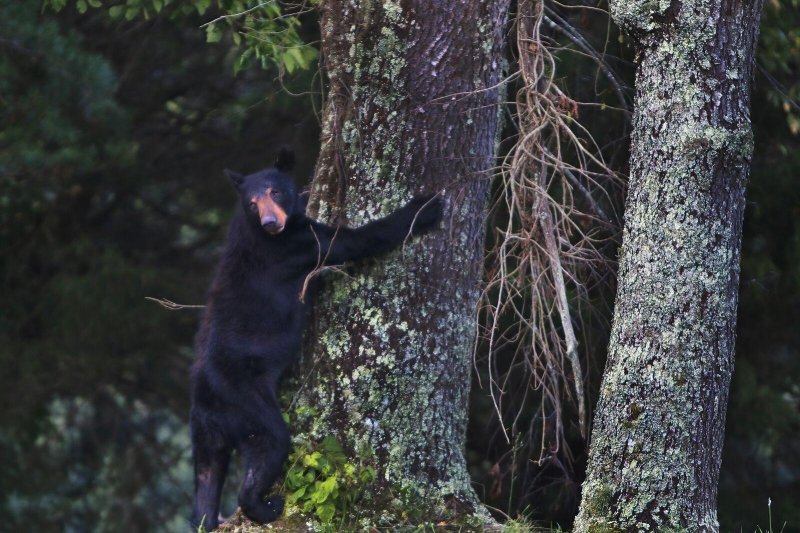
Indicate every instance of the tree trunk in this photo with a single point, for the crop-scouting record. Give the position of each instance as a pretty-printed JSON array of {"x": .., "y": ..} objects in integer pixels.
[
  {"x": 413, "y": 106},
  {"x": 658, "y": 432}
]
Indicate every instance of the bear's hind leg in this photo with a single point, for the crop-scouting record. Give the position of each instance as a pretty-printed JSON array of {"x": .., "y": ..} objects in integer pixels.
[
  {"x": 211, "y": 459},
  {"x": 264, "y": 453}
]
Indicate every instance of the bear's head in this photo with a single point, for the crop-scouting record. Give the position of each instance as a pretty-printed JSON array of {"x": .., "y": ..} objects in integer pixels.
[{"x": 269, "y": 196}]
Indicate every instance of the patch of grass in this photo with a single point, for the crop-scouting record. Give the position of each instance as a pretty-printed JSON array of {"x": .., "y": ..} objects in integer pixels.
[{"x": 769, "y": 514}]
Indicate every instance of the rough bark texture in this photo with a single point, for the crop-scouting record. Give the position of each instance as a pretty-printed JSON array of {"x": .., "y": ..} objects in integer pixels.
[
  {"x": 658, "y": 432},
  {"x": 413, "y": 106}
]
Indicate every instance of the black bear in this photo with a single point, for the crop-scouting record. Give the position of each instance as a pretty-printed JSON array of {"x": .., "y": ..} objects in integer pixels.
[{"x": 252, "y": 326}]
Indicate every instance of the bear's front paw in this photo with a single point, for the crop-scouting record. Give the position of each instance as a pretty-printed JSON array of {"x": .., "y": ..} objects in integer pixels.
[{"x": 427, "y": 212}]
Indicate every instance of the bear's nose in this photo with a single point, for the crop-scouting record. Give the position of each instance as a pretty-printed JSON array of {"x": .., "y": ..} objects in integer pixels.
[{"x": 269, "y": 223}]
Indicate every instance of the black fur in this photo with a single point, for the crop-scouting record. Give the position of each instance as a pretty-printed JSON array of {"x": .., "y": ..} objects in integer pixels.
[{"x": 251, "y": 331}]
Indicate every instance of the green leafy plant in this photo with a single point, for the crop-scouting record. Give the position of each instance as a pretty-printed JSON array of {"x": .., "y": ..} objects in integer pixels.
[
  {"x": 264, "y": 33},
  {"x": 322, "y": 480}
]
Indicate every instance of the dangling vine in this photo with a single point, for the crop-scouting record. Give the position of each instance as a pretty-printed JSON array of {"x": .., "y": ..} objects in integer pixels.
[{"x": 551, "y": 219}]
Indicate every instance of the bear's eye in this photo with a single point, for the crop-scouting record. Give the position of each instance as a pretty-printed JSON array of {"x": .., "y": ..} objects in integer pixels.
[
  {"x": 253, "y": 207},
  {"x": 276, "y": 195}
]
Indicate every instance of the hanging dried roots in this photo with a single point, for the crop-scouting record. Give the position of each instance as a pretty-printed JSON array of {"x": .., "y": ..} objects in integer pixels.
[{"x": 552, "y": 218}]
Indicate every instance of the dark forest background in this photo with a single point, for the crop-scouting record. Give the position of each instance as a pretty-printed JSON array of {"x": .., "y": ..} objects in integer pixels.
[{"x": 114, "y": 132}]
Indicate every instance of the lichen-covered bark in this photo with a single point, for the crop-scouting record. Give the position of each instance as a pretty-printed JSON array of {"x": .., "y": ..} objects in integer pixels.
[
  {"x": 413, "y": 106},
  {"x": 658, "y": 431}
]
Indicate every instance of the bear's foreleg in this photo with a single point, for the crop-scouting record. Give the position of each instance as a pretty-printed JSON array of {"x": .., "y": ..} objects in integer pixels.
[{"x": 341, "y": 244}]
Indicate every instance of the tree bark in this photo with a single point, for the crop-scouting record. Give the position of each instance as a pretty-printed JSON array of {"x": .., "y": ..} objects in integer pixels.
[
  {"x": 658, "y": 432},
  {"x": 413, "y": 106}
]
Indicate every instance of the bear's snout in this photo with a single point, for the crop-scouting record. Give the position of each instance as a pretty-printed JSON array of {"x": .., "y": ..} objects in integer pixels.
[{"x": 270, "y": 224}]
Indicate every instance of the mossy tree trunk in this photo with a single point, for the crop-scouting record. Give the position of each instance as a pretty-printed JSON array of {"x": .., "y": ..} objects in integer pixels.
[
  {"x": 658, "y": 431},
  {"x": 413, "y": 106}
]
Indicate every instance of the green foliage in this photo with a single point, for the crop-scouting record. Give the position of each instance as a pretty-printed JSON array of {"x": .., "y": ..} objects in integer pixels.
[
  {"x": 265, "y": 35},
  {"x": 74, "y": 328},
  {"x": 779, "y": 54},
  {"x": 263, "y": 32},
  {"x": 322, "y": 480}
]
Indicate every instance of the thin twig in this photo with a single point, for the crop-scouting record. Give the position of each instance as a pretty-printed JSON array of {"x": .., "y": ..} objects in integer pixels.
[
  {"x": 172, "y": 306},
  {"x": 321, "y": 266}
]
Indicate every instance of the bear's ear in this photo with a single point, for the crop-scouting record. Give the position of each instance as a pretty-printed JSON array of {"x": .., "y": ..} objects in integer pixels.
[
  {"x": 285, "y": 160},
  {"x": 234, "y": 176}
]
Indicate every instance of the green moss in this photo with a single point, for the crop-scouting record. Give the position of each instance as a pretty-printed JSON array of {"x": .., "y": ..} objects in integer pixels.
[
  {"x": 604, "y": 528},
  {"x": 597, "y": 500},
  {"x": 639, "y": 16}
]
